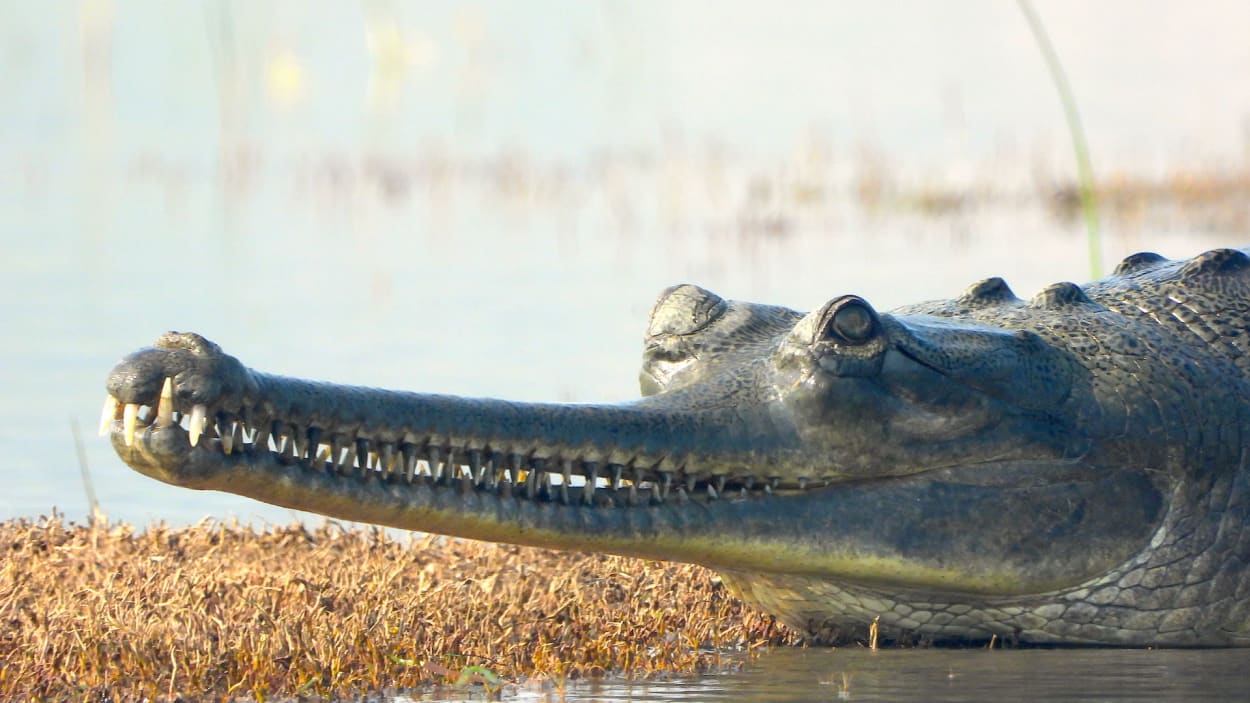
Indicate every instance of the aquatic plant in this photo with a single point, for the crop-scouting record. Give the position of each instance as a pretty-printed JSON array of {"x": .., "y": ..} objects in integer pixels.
[{"x": 1085, "y": 170}]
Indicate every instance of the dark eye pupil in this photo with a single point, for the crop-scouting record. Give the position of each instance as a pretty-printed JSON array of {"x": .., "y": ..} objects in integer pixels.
[{"x": 853, "y": 322}]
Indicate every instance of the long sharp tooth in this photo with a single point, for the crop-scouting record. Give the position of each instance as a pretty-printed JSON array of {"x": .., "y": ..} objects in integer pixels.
[
  {"x": 227, "y": 439},
  {"x": 409, "y": 453},
  {"x": 260, "y": 437},
  {"x": 532, "y": 477},
  {"x": 314, "y": 441},
  {"x": 491, "y": 468},
  {"x": 386, "y": 458},
  {"x": 129, "y": 415},
  {"x": 433, "y": 456},
  {"x": 108, "y": 414},
  {"x": 566, "y": 477},
  {"x": 198, "y": 413},
  {"x": 336, "y": 452},
  {"x": 289, "y": 445},
  {"x": 299, "y": 442},
  {"x": 165, "y": 406},
  {"x": 515, "y": 468},
  {"x": 592, "y": 477}
]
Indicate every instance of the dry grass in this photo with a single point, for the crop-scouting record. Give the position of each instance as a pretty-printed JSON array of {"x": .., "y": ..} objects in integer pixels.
[{"x": 217, "y": 612}]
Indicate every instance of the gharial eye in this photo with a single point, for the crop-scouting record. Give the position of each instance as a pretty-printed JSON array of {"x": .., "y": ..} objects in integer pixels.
[{"x": 850, "y": 320}]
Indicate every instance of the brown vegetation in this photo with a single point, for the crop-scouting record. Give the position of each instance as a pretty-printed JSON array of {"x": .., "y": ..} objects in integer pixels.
[{"x": 216, "y": 611}]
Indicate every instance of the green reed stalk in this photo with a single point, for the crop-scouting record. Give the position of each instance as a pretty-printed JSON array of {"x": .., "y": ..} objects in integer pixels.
[{"x": 1085, "y": 171}]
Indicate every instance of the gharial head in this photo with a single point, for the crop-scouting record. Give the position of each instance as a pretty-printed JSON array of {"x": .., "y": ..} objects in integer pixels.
[{"x": 843, "y": 445}]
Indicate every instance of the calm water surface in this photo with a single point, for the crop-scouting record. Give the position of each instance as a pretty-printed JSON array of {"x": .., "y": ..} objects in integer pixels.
[
  {"x": 471, "y": 199},
  {"x": 800, "y": 675}
]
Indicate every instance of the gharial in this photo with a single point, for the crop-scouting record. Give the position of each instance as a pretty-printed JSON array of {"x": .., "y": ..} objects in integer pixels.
[{"x": 1070, "y": 469}]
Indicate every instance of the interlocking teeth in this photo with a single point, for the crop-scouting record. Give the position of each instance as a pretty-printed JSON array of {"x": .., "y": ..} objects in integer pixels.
[
  {"x": 129, "y": 415},
  {"x": 108, "y": 415},
  {"x": 532, "y": 477},
  {"x": 198, "y": 413}
]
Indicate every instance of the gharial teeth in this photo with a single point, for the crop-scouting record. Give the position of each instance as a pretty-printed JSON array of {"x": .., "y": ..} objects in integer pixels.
[
  {"x": 129, "y": 415},
  {"x": 198, "y": 413},
  {"x": 227, "y": 438},
  {"x": 592, "y": 477},
  {"x": 108, "y": 414},
  {"x": 165, "y": 407}
]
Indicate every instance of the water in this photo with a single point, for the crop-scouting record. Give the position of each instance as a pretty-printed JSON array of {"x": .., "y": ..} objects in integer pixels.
[
  {"x": 938, "y": 675},
  {"x": 485, "y": 200}
]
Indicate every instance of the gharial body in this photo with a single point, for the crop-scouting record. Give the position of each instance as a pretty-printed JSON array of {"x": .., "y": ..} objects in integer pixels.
[{"x": 1070, "y": 469}]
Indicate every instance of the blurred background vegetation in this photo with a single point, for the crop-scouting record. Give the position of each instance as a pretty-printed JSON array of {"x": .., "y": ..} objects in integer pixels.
[{"x": 484, "y": 197}]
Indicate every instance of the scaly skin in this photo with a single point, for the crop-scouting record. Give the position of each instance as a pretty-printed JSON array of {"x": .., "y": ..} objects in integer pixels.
[{"x": 1072, "y": 469}]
